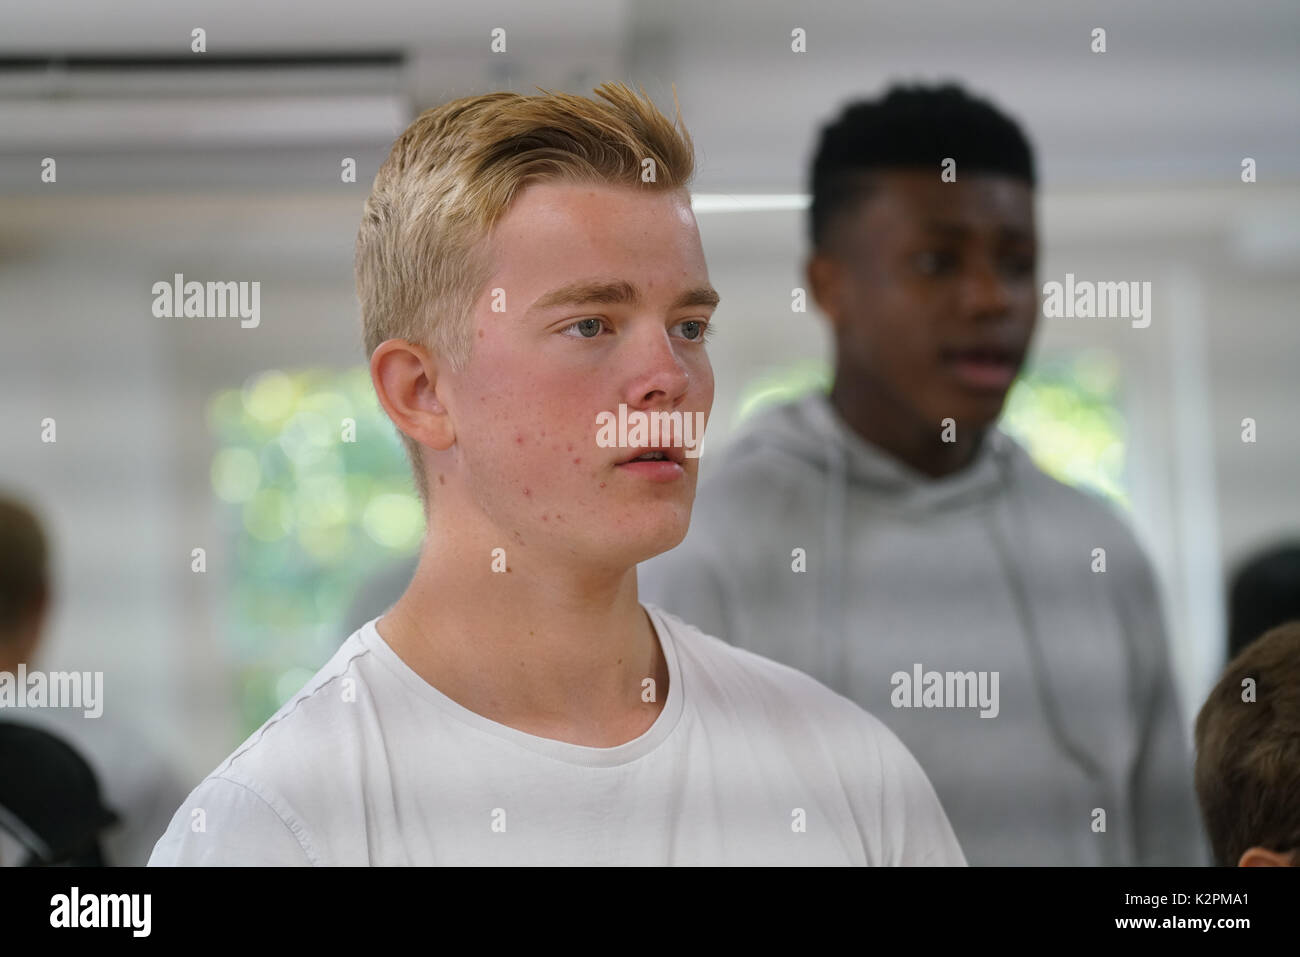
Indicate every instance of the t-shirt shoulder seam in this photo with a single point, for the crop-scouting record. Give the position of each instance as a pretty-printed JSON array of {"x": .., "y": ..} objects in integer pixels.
[
  {"x": 294, "y": 826},
  {"x": 256, "y": 739}
]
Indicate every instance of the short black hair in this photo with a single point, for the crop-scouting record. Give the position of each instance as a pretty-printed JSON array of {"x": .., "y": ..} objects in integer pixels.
[{"x": 910, "y": 127}]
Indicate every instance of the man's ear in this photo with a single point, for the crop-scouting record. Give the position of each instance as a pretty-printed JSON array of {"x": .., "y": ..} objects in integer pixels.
[
  {"x": 406, "y": 377},
  {"x": 826, "y": 283},
  {"x": 1263, "y": 857}
]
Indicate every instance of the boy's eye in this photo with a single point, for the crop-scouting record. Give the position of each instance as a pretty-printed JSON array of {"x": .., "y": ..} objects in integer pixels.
[
  {"x": 1019, "y": 265},
  {"x": 935, "y": 261},
  {"x": 696, "y": 330},
  {"x": 587, "y": 328}
]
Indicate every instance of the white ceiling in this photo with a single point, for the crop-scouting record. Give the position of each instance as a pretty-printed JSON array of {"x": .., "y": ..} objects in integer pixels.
[{"x": 1186, "y": 89}]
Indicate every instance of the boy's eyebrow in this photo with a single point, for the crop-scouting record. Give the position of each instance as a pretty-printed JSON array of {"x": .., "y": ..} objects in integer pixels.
[
  {"x": 951, "y": 228},
  {"x": 618, "y": 292},
  {"x": 941, "y": 226}
]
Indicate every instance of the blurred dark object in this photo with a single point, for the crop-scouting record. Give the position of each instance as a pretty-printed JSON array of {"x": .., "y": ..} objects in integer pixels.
[
  {"x": 49, "y": 799},
  {"x": 1265, "y": 593}
]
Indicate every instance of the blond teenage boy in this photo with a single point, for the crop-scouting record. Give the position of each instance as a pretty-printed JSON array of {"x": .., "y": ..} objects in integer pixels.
[{"x": 527, "y": 267}]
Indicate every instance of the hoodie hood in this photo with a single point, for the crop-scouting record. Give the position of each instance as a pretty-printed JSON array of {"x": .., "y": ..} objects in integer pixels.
[{"x": 812, "y": 431}]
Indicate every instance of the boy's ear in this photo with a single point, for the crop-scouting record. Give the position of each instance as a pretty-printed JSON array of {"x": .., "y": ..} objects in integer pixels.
[
  {"x": 1263, "y": 857},
  {"x": 406, "y": 377},
  {"x": 825, "y": 278}
]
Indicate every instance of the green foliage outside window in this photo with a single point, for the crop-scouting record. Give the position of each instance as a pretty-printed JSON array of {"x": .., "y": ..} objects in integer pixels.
[{"x": 310, "y": 516}]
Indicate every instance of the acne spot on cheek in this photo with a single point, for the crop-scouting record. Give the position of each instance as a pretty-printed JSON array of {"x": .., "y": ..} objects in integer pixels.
[
  {"x": 602, "y": 484},
  {"x": 570, "y": 446},
  {"x": 529, "y": 494},
  {"x": 480, "y": 333},
  {"x": 442, "y": 479},
  {"x": 519, "y": 440},
  {"x": 544, "y": 518},
  {"x": 577, "y": 461}
]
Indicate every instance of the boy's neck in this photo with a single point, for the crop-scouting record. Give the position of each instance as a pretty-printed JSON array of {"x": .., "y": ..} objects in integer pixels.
[
  {"x": 894, "y": 430},
  {"x": 560, "y": 655}
]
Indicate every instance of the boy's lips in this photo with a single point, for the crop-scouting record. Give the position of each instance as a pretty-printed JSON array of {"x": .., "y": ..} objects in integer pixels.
[
  {"x": 988, "y": 368},
  {"x": 666, "y": 469}
]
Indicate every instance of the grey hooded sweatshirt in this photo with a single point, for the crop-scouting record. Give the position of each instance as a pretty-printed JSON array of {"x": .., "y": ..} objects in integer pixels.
[{"x": 971, "y": 615}]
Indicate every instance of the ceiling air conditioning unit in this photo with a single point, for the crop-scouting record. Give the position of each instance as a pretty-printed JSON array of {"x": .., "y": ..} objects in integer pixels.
[{"x": 98, "y": 104}]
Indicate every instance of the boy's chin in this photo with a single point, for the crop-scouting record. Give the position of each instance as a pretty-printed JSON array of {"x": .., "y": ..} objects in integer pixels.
[
  {"x": 658, "y": 540},
  {"x": 970, "y": 412},
  {"x": 664, "y": 545}
]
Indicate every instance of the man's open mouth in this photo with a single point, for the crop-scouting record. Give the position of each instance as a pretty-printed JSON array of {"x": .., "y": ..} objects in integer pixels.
[{"x": 984, "y": 367}]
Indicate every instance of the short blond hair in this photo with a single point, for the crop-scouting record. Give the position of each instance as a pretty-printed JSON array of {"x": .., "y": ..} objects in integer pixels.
[{"x": 453, "y": 174}]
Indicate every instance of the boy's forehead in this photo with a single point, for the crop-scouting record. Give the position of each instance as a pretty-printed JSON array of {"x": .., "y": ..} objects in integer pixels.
[
  {"x": 975, "y": 193},
  {"x": 576, "y": 234},
  {"x": 911, "y": 202}
]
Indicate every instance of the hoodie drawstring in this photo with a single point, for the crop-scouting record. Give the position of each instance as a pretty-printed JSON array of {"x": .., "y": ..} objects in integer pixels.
[
  {"x": 831, "y": 636},
  {"x": 834, "y": 641}
]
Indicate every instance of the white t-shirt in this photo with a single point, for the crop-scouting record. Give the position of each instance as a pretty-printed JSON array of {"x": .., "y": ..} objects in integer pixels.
[{"x": 749, "y": 763}]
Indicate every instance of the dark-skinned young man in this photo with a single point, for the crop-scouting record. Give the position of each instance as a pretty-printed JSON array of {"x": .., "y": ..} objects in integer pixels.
[{"x": 887, "y": 539}]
